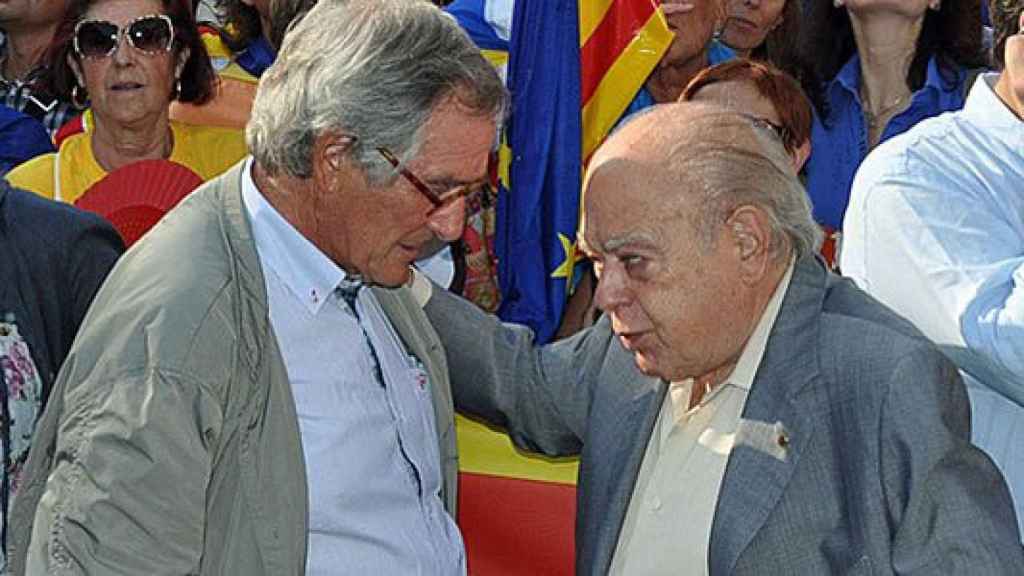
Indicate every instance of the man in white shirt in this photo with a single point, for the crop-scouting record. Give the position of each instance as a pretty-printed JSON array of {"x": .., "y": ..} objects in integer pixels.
[
  {"x": 935, "y": 230},
  {"x": 255, "y": 391}
]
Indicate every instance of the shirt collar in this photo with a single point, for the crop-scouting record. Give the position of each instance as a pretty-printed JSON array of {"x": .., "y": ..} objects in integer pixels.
[
  {"x": 984, "y": 108},
  {"x": 302, "y": 267},
  {"x": 750, "y": 359},
  {"x": 849, "y": 77}
]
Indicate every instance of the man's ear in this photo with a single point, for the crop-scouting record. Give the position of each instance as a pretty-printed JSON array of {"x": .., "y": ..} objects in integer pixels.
[
  {"x": 750, "y": 233},
  {"x": 331, "y": 157}
]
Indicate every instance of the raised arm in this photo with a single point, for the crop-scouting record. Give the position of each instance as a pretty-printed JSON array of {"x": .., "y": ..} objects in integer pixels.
[{"x": 541, "y": 394}]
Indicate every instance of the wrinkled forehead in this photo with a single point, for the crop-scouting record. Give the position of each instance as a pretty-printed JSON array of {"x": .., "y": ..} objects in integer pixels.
[
  {"x": 677, "y": 146},
  {"x": 122, "y": 11},
  {"x": 627, "y": 198}
]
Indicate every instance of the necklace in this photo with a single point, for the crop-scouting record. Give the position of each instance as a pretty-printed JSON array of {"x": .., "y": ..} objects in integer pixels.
[{"x": 873, "y": 118}]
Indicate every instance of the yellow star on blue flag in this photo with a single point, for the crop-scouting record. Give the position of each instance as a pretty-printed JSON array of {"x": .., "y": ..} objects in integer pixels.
[{"x": 566, "y": 268}]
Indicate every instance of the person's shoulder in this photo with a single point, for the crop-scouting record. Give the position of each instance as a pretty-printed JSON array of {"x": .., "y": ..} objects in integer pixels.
[
  {"x": 29, "y": 206},
  {"x": 50, "y": 227},
  {"x": 180, "y": 281},
  {"x": 208, "y": 150},
  {"x": 937, "y": 151},
  {"x": 35, "y": 175},
  {"x": 202, "y": 134},
  {"x": 859, "y": 334}
]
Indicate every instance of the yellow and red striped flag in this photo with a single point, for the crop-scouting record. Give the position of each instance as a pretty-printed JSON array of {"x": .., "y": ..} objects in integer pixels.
[
  {"x": 621, "y": 41},
  {"x": 516, "y": 510}
]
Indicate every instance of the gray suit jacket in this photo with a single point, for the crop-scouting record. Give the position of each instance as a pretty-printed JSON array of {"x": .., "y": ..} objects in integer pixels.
[{"x": 875, "y": 475}]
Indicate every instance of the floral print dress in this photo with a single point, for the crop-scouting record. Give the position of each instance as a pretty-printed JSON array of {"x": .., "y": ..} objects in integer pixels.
[{"x": 22, "y": 392}]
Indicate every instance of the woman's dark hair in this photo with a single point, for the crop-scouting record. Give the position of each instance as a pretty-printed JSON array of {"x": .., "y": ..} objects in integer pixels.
[
  {"x": 781, "y": 47},
  {"x": 242, "y": 24},
  {"x": 952, "y": 35},
  {"x": 197, "y": 78},
  {"x": 284, "y": 13}
]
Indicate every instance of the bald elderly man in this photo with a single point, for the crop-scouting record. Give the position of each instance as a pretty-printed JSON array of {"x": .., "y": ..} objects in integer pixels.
[{"x": 739, "y": 409}]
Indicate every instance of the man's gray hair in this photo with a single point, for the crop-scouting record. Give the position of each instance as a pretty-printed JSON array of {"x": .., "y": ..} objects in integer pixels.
[
  {"x": 728, "y": 159},
  {"x": 372, "y": 69},
  {"x": 757, "y": 172}
]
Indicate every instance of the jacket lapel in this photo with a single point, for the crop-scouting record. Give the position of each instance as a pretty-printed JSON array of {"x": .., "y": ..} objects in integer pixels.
[
  {"x": 620, "y": 427},
  {"x": 419, "y": 338},
  {"x": 416, "y": 332},
  {"x": 776, "y": 426}
]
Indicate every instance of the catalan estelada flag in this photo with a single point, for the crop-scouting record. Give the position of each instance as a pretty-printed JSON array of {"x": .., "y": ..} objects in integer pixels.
[{"x": 572, "y": 67}]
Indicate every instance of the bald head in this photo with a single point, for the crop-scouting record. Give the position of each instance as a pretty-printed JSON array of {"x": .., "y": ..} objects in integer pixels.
[{"x": 712, "y": 160}]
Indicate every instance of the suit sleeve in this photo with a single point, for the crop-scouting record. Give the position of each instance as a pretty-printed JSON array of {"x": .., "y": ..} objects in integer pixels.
[
  {"x": 127, "y": 491},
  {"x": 541, "y": 394},
  {"x": 949, "y": 506}
]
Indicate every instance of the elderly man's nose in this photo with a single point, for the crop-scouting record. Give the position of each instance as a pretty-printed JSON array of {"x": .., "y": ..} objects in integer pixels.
[
  {"x": 611, "y": 291},
  {"x": 448, "y": 221}
]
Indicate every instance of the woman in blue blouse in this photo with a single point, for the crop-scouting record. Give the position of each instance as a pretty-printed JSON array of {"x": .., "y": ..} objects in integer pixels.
[{"x": 885, "y": 65}]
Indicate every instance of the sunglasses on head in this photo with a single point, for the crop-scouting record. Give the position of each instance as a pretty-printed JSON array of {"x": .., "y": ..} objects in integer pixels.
[{"x": 150, "y": 34}]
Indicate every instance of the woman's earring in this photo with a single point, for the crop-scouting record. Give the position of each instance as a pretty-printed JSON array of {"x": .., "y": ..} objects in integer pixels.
[
  {"x": 177, "y": 89},
  {"x": 77, "y": 100}
]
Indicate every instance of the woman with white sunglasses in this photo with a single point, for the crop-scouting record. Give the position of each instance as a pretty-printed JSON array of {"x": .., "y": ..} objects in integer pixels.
[{"x": 127, "y": 60}]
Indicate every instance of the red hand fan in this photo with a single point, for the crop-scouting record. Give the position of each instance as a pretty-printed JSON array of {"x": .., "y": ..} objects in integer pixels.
[{"x": 134, "y": 197}]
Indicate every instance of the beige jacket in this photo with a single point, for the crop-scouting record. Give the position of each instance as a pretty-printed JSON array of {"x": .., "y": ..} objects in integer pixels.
[{"x": 170, "y": 444}]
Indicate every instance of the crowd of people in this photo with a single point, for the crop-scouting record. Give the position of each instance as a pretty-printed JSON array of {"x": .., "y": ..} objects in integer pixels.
[{"x": 796, "y": 346}]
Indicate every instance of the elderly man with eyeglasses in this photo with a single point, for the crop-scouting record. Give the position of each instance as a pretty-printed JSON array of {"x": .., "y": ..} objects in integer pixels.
[{"x": 255, "y": 391}]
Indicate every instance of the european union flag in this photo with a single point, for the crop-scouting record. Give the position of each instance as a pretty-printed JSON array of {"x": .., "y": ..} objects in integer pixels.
[{"x": 537, "y": 217}]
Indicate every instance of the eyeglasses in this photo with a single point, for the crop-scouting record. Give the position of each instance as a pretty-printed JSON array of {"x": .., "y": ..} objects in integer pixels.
[
  {"x": 151, "y": 34},
  {"x": 785, "y": 135},
  {"x": 440, "y": 201}
]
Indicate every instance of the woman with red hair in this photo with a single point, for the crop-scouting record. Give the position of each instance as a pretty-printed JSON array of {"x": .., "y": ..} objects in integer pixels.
[{"x": 766, "y": 93}]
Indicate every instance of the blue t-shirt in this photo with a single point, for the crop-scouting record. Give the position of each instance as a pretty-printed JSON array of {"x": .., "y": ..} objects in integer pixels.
[
  {"x": 840, "y": 143},
  {"x": 21, "y": 138}
]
